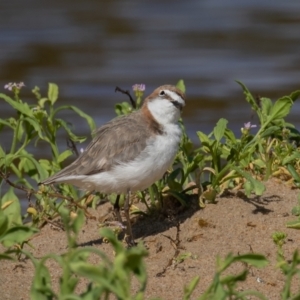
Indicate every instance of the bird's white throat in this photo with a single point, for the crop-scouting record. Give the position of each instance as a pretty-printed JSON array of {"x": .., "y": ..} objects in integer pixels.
[{"x": 163, "y": 111}]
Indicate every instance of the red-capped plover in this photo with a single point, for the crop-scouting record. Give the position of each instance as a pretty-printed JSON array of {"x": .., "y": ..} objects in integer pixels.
[{"x": 130, "y": 152}]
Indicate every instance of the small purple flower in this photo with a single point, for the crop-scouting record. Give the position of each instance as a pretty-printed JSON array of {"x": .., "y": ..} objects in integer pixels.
[
  {"x": 249, "y": 125},
  {"x": 10, "y": 86},
  {"x": 139, "y": 87},
  {"x": 20, "y": 85}
]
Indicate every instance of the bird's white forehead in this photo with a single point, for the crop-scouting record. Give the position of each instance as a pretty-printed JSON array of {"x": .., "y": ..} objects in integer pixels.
[{"x": 174, "y": 96}]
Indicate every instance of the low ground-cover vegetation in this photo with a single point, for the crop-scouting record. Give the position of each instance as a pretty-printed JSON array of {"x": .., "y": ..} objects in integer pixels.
[{"x": 223, "y": 162}]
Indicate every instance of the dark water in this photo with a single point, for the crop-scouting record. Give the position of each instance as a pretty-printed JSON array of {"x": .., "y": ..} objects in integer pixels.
[{"x": 89, "y": 47}]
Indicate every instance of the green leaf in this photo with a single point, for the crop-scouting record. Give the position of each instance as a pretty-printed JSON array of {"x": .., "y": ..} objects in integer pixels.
[
  {"x": 183, "y": 256},
  {"x": 72, "y": 136},
  {"x": 3, "y": 222},
  {"x": 172, "y": 182},
  {"x": 290, "y": 158},
  {"x": 295, "y": 95},
  {"x": 294, "y": 133},
  {"x": 47, "y": 166},
  {"x": 64, "y": 155},
  {"x": 2, "y": 156},
  {"x": 28, "y": 167},
  {"x": 134, "y": 263},
  {"x": 42, "y": 102},
  {"x": 37, "y": 127},
  {"x": 259, "y": 163},
  {"x": 233, "y": 279},
  {"x": 7, "y": 159},
  {"x": 20, "y": 131},
  {"x": 209, "y": 195},
  {"x": 248, "y": 188},
  {"x": 180, "y": 85},
  {"x": 219, "y": 129},
  {"x": 203, "y": 138},
  {"x": 52, "y": 92},
  {"x": 230, "y": 135},
  {"x": 293, "y": 172},
  {"x": 188, "y": 290},
  {"x": 6, "y": 123},
  {"x": 13, "y": 211},
  {"x": 23, "y": 108},
  {"x": 257, "y": 186},
  {"x": 256, "y": 260},
  {"x": 41, "y": 284},
  {"x": 250, "y": 98},
  {"x": 123, "y": 108},
  {"x": 191, "y": 167},
  {"x": 88, "y": 118},
  {"x": 266, "y": 106},
  {"x": 293, "y": 224},
  {"x": 5, "y": 256},
  {"x": 93, "y": 273},
  {"x": 269, "y": 131},
  {"x": 78, "y": 222},
  {"x": 182, "y": 198},
  {"x": 110, "y": 236},
  {"x": 42, "y": 173},
  {"x": 17, "y": 235},
  {"x": 219, "y": 292},
  {"x": 281, "y": 108},
  {"x": 295, "y": 211}
]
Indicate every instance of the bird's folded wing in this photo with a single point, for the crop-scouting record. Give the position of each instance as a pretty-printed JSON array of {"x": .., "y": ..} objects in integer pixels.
[{"x": 119, "y": 141}]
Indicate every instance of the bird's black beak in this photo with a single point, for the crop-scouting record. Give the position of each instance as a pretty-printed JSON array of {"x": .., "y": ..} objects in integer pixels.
[{"x": 177, "y": 104}]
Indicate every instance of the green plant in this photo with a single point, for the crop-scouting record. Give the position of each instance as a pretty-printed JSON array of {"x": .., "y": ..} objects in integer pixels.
[
  {"x": 279, "y": 240},
  {"x": 225, "y": 161},
  {"x": 224, "y": 287},
  {"x": 288, "y": 268},
  {"x": 276, "y": 139},
  {"x": 32, "y": 124},
  {"x": 104, "y": 278},
  {"x": 13, "y": 236},
  {"x": 244, "y": 162}
]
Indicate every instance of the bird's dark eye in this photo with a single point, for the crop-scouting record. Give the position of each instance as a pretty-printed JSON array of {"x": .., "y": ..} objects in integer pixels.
[{"x": 162, "y": 93}]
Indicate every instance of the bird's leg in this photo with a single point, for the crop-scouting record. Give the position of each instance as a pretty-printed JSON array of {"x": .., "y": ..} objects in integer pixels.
[
  {"x": 117, "y": 209},
  {"x": 128, "y": 236}
]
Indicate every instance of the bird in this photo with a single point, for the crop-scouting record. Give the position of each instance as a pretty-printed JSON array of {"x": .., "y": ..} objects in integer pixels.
[{"x": 130, "y": 152}]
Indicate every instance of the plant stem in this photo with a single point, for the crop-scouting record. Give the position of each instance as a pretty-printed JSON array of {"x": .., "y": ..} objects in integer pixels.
[{"x": 15, "y": 137}]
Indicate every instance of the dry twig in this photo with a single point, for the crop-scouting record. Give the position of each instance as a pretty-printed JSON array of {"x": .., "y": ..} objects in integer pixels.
[{"x": 117, "y": 89}]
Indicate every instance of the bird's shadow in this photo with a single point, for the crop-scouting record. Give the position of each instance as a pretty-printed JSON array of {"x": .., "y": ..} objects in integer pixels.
[
  {"x": 172, "y": 215},
  {"x": 156, "y": 222}
]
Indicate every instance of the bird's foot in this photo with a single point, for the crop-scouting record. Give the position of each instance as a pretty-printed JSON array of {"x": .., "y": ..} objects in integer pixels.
[{"x": 129, "y": 240}]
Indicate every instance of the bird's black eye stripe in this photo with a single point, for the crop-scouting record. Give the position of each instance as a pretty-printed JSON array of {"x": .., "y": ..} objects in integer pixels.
[{"x": 162, "y": 93}]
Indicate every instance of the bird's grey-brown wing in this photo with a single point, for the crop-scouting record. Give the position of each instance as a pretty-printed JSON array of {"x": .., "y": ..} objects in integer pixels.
[{"x": 119, "y": 141}]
